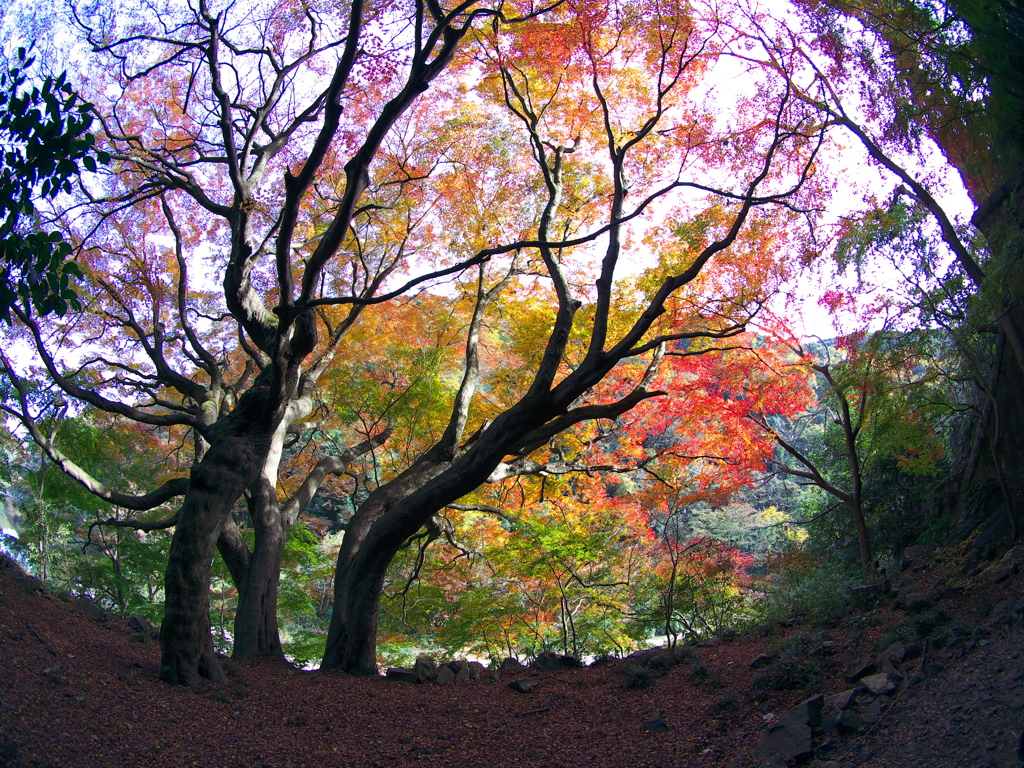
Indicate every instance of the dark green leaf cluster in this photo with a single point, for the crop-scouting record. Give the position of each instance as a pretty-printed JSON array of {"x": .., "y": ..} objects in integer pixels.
[{"x": 45, "y": 139}]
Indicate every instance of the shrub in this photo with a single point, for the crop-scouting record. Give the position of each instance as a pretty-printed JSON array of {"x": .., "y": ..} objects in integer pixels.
[
  {"x": 787, "y": 676},
  {"x": 727, "y": 702},
  {"x": 926, "y": 624},
  {"x": 799, "y": 582},
  {"x": 639, "y": 675}
]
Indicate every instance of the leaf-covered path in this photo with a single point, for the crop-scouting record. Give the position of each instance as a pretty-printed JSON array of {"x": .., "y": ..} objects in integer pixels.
[{"x": 80, "y": 692}]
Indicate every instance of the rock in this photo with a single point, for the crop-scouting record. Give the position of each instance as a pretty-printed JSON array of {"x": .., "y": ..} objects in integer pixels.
[
  {"x": 141, "y": 625},
  {"x": 894, "y": 653},
  {"x": 476, "y": 670},
  {"x": 445, "y": 675},
  {"x": 763, "y": 660},
  {"x": 656, "y": 724},
  {"x": 914, "y": 557},
  {"x": 827, "y": 648},
  {"x": 425, "y": 668},
  {"x": 873, "y": 712},
  {"x": 844, "y": 700},
  {"x": 1000, "y": 572},
  {"x": 873, "y": 590},
  {"x": 90, "y": 609},
  {"x": 525, "y": 685},
  {"x": 859, "y": 669},
  {"x": 888, "y": 668},
  {"x": 916, "y": 679},
  {"x": 807, "y": 712},
  {"x": 511, "y": 665},
  {"x": 30, "y": 583},
  {"x": 841, "y": 721},
  {"x": 878, "y": 684},
  {"x": 548, "y": 661},
  {"x": 775, "y": 761},
  {"x": 790, "y": 740},
  {"x": 463, "y": 674},
  {"x": 9, "y": 751},
  {"x": 54, "y": 675},
  {"x": 916, "y": 602},
  {"x": 401, "y": 674},
  {"x": 1003, "y": 607}
]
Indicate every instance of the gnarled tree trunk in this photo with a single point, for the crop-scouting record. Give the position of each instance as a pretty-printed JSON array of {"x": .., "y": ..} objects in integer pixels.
[{"x": 228, "y": 467}]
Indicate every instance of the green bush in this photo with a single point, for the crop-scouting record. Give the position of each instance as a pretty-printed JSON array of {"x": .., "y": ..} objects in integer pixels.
[
  {"x": 799, "y": 582},
  {"x": 787, "y": 676}
]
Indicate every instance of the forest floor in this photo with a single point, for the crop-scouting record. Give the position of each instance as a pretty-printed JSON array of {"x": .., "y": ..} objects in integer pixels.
[{"x": 82, "y": 692}]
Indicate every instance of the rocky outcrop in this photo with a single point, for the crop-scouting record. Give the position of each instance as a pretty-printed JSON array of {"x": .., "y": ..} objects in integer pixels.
[
  {"x": 548, "y": 661},
  {"x": 790, "y": 740},
  {"x": 427, "y": 670}
]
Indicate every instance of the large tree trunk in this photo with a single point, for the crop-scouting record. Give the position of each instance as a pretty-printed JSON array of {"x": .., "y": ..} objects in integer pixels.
[
  {"x": 386, "y": 520},
  {"x": 237, "y": 453},
  {"x": 991, "y": 499},
  {"x": 186, "y": 646},
  {"x": 366, "y": 552},
  {"x": 256, "y": 628},
  {"x": 256, "y": 574},
  {"x": 358, "y": 583}
]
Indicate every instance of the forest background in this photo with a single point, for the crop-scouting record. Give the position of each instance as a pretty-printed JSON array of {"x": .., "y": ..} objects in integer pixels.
[{"x": 356, "y": 332}]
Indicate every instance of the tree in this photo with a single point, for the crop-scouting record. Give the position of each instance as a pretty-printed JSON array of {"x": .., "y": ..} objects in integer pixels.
[
  {"x": 951, "y": 71},
  {"x": 572, "y": 552},
  {"x": 64, "y": 536},
  {"x": 509, "y": 148},
  {"x": 45, "y": 135},
  {"x": 875, "y": 408}
]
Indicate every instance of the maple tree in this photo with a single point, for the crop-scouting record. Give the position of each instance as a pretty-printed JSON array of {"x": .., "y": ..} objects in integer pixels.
[
  {"x": 877, "y": 406},
  {"x": 324, "y": 162},
  {"x": 574, "y": 552}
]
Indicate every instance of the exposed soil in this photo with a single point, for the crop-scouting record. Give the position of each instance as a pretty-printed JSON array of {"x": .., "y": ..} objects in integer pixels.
[{"x": 76, "y": 691}]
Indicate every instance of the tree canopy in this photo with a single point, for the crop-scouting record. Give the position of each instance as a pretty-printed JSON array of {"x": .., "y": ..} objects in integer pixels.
[{"x": 496, "y": 275}]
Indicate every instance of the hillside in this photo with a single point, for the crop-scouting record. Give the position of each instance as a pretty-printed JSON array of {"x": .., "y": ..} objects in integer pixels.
[{"x": 83, "y": 691}]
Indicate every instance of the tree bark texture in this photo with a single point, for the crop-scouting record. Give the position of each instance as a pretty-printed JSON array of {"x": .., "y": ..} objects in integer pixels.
[
  {"x": 256, "y": 627},
  {"x": 993, "y": 495},
  {"x": 237, "y": 453}
]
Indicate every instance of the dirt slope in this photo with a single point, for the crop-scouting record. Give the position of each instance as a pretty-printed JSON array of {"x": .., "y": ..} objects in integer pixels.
[{"x": 77, "y": 691}]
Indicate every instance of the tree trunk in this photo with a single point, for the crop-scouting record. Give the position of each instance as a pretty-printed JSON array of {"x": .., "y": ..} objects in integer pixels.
[
  {"x": 256, "y": 628},
  {"x": 385, "y": 521},
  {"x": 239, "y": 446},
  {"x": 358, "y": 583},
  {"x": 863, "y": 537},
  {"x": 186, "y": 646}
]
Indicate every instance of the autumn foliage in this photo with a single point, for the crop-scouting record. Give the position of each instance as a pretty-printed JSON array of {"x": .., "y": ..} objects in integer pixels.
[{"x": 482, "y": 288}]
